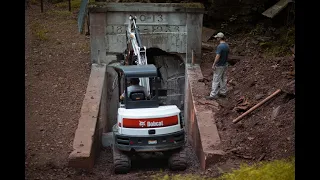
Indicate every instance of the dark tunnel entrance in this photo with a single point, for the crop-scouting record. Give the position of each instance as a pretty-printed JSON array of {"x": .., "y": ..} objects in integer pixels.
[{"x": 171, "y": 70}]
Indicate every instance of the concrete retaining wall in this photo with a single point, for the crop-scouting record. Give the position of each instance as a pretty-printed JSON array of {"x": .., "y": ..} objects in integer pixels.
[
  {"x": 112, "y": 98},
  {"x": 92, "y": 122},
  {"x": 98, "y": 115},
  {"x": 202, "y": 131}
]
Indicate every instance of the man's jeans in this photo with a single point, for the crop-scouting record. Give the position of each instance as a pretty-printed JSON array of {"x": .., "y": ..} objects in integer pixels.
[{"x": 219, "y": 79}]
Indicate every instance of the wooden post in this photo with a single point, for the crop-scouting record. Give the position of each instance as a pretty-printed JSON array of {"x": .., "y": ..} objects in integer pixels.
[
  {"x": 70, "y": 5},
  {"x": 192, "y": 57},
  {"x": 88, "y": 24},
  {"x": 256, "y": 106},
  {"x": 42, "y": 6}
]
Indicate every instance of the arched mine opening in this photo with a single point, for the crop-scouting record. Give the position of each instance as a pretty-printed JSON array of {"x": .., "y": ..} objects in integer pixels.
[{"x": 171, "y": 70}]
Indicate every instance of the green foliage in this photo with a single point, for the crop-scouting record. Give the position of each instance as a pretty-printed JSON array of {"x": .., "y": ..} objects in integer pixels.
[
  {"x": 57, "y": 13},
  {"x": 284, "y": 39},
  {"x": 40, "y": 32},
  {"x": 75, "y": 4},
  {"x": 85, "y": 47},
  {"x": 34, "y": 2},
  {"x": 258, "y": 30},
  {"x": 55, "y": 1},
  {"x": 280, "y": 47},
  {"x": 265, "y": 44},
  {"x": 179, "y": 177},
  {"x": 69, "y": 21},
  {"x": 274, "y": 170}
]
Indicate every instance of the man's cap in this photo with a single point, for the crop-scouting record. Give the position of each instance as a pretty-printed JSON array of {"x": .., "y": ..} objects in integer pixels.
[{"x": 219, "y": 35}]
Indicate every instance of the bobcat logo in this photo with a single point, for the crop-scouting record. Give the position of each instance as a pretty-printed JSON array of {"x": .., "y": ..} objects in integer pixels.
[
  {"x": 142, "y": 123},
  {"x": 155, "y": 124}
]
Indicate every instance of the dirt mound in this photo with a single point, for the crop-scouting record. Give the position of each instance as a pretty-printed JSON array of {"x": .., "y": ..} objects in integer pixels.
[{"x": 268, "y": 132}]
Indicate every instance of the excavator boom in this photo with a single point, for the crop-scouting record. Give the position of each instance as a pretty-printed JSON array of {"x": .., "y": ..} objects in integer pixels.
[{"x": 140, "y": 52}]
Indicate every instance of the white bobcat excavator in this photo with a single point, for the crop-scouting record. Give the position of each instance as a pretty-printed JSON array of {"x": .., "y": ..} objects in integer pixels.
[{"x": 143, "y": 125}]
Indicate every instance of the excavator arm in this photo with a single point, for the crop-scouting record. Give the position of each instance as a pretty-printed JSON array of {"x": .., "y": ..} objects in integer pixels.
[{"x": 139, "y": 52}]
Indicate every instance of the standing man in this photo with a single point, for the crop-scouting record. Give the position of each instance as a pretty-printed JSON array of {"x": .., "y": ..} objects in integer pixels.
[{"x": 219, "y": 81}]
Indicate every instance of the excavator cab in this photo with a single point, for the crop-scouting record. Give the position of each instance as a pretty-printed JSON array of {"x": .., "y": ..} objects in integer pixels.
[{"x": 138, "y": 99}]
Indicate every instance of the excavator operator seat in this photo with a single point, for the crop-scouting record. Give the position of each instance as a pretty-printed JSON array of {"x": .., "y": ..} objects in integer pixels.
[{"x": 138, "y": 95}]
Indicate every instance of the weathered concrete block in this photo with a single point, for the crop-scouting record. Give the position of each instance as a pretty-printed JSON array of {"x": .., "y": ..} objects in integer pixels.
[
  {"x": 213, "y": 156},
  {"x": 88, "y": 134},
  {"x": 173, "y": 27},
  {"x": 107, "y": 139},
  {"x": 202, "y": 131},
  {"x": 173, "y": 74},
  {"x": 97, "y": 37},
  {"x": 112, "y": 98},
  {"x": 194, "y": 37}
]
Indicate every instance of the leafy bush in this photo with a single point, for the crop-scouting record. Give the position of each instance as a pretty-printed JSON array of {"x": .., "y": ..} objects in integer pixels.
[
  {"x": 34, "y": 2},
  {"x": 274, "y": 170},
  {"x": 283, "y": 42},
  {"x": 39, "y": 31},
  {"x": 177, "y": 177}
]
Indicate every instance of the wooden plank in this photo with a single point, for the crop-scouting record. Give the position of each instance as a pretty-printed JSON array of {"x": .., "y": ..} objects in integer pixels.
[
  {"x": 207, "y": 33},
  {"x": 256, "y": 106},
  {"x": 275, "y": 9}
]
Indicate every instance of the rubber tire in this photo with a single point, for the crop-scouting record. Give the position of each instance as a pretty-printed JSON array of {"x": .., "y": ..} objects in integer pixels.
[
  {"x": 121, "y": 161},
  {"x": 178, "y": 160}
]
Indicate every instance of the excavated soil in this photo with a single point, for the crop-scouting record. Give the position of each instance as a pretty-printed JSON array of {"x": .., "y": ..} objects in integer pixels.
[{"x": 268, "y": 132}]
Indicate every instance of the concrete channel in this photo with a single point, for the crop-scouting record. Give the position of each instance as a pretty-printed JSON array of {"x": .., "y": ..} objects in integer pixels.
[{"x": 172, "y": 33}]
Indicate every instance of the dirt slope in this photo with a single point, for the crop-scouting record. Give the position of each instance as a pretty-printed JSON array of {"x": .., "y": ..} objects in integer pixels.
[
  {"x": 56, "y": 72},
  {"x": 268, "y": 132}
]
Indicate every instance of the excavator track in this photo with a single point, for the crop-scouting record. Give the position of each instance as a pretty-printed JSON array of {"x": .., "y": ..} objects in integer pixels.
[
  {"x": 121, "y": 161},
  {"x": 178, "y": 160}
]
